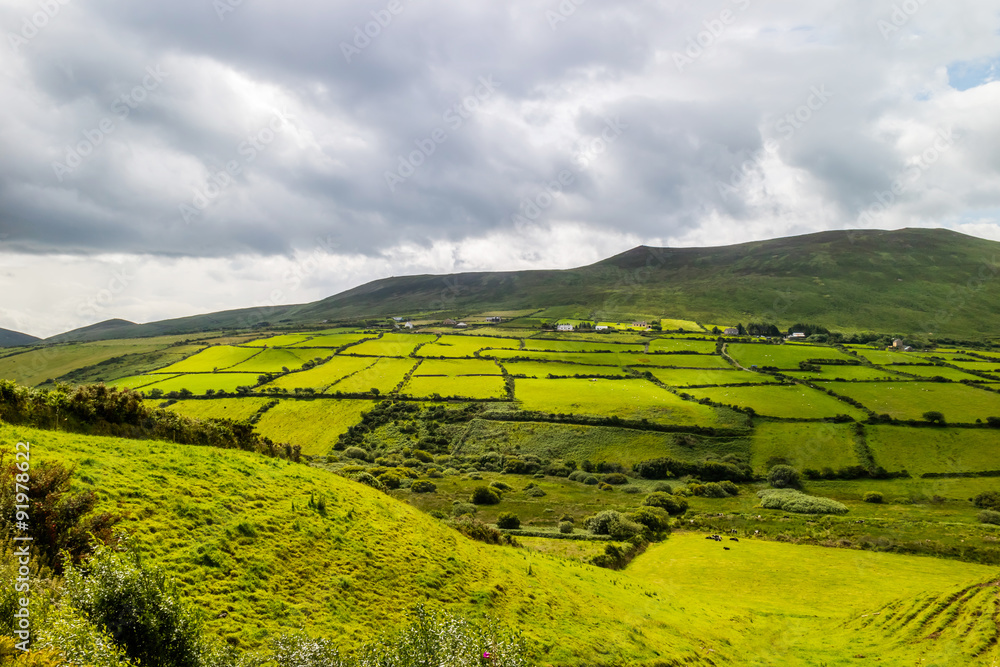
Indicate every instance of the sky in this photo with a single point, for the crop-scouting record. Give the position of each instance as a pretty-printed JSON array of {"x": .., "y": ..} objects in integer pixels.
[{"x": 165, "y": 159}]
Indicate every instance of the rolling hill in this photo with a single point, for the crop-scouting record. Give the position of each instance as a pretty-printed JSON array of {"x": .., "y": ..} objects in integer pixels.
[
  {"x": 10, "y": 338},
  {"x": 922, "y": 281}
]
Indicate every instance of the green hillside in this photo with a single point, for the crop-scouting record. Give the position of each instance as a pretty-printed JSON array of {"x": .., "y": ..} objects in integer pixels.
[
  {"x": 912, "y": 280},
  {"x": 237, "y": 532},
  {"x": 10, "y": 338}
]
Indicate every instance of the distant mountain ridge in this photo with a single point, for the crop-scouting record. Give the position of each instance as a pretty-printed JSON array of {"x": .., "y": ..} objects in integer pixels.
[
  {"x": 10, "y": 338},
  {"x": 910, "y": 280}
]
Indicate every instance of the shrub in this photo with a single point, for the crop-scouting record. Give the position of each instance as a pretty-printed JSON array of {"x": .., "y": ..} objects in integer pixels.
[
  {"x": 784, "y": 477},
  {"x": 790, "y": 500},
  {"x": 663, "y": 487},
  {"x": 390, "y": 481},
  {"x": 578, "y": 475},
  {"x": 501, "y": 486},
  {"x": 714, "y": 490},
  {"x": 989, "y": 516},
  {"x": 673, "y": 505},
  {"x": 934, "y": 417},
  {"x": 356, "y": 453},
  {"x": 477, "y": 530},
  {"x": 422, "y": 456},
  {"x": 988, "y": 500},
  {"x": 873, "y": 497},
  {"x": 631, "y": 489},
  {"x": 423, "y": 486},
  {"x": 655, "y": 519},
  {"x": 591, "y": 480},
  {"x": 138, "y": 606},
  {"x": 730, "y": 488},
  {"x": 565, "y": 527},
  {"x": 605, "y": 487},
  {"x": 535, "y": 492},
  {"x": 459, "y": 508},
  {"x": 508, "y": 520},
  {"x": 438, "y": 514},
  {"x": 615, "y": 478},
  {"x": 370, "y": 480},
  {"x": 613, "y": 523},
  {"x": 484, "y": 495}
]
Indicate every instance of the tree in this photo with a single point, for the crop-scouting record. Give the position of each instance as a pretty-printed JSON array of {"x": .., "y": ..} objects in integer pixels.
[
  {"x": 784, "y": 477},
  {"x": 508, "y": 520},
  {"x": 934, "y": 417}
]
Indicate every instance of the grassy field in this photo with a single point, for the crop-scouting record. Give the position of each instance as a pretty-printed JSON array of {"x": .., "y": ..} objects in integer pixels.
[
  {"x": 611, "y": 359},
  {"x": 981, "y": 366},
  {"x": 322, "y": 376},
  {"x": 460, "y": 386},
  {"x": 910, "y": 400},
  {"x": 465, "y": 346},
  {"x": 314, "y": 425},
  {"x": 541, "y": 344},
  {"x": 684, "y": 377},
  {"x": 682, "y": 345},
  {"x": 628, "y": 399},
  {"x": 392, "y": 345},
  {"x": 680, "y": 325},
  {"x": 941, "y": 450},
  {"x": 802, "y": 446},
  {"x": 237, "y": 409},
  {"x": 38, "y": 365},
  {"x": 542, "y": 369},
  {"x": 837, "y": 372},
  {"x": 334, "y": 340},
  {"x": 784, "y": 401},
  {"x": 199, "y": 383},
  {"x": 220, "y": 357},
  {"x": 385, "y": 376},
  {"x": 780, "y": 356},
  {"x": 137, "y": 381},
  {"x": 282, "y": 340},
  {"x": 883, "y": 357},
  {"x": 934, "y": 371},
  {"x": 276, "y": 360},
  {"x": 458, "y": 367}
]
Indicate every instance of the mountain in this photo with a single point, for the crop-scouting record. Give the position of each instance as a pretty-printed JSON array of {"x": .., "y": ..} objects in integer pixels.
[
  {"x": 910, "y": 280},
  {"x": 100, "y": 331},
  {"x": 10, "y": 338}
]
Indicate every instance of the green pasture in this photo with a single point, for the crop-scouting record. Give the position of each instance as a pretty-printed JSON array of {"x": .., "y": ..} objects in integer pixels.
[
  {"x": 684, "y": 377},
  {"x": 785, "y": 356},
  {"x": 465, "y": 346},
  {"x": 547, "y": 345},
  {"x": 335, "y": 340},
  {"x": 939, "y": 450},
  {"x": 680, "y": 325},
  {"x": 802, "y": 446},
  {"x": 274, "y": 360},
  {"x": 934, "y": 371},
  {"x": 603, "y": 337},
  {"x": 781, "y": 401},
  {"x": 682, "y": 345},
  {"x": 611, "y": 359},
  {"x": 237, "y": 409},
  {"x": 475, "y": 387},
  {"x": 910, "y": 400},
  {"x": 219, "y": 357},
  {"x": 981, "y": 366},
  {"x": 385, "y": 376},
  {"x": 138, "y": 381},
  {"x": 542, "y": 369},
  {"x": 313, "y": 424},
  {"x": 282, "y": 340},
  {"x": 458, "y": 367},
  {"x": 200, "y": 383},
  {"x": 48, "y": 363},
  {"x": 839, "y": 372},
  {"x": 885, "y": 357},
  {"x": 392, "y": 345},
  {"x": 322, "y": 376},
  {"x": 627, "y": 399}
]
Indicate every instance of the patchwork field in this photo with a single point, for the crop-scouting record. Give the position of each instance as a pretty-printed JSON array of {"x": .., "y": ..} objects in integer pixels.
[
  {"x": 680, "y": 325},
  {"x": 475, "y": 387},
  {"x": 334, "y": 341},
  {"x": 237, "y": 409},
  {"x": 883, "y": 357},
  {"x": 465, "y": 346},
  {"x": 627, "y": 399},
  {"x": 610, "y": 359},
  {"x": 684, "y": 377},
  {"x": 315, "y": 425},
  {"x": 38, "y": 365},
  {"x": 458, "y": 367},
  {"x": 322, "y": 376},
  {"x": 910, "y": 400},
  {"x": 139, "y": 381},
  {"x": 579, "y": 346},
  {"x": 682, "y": 345},
  {"x": 785, "y": 356},
  {"x": 542, "y": 369},
  {"x": 199, "y": 383},
  {"x": 219, "y": 357},
  {"x": 276, "y": 360},
  {"x": 283, "y": 340},
  {"x": 392, "y": 345},
  {"x": 783, "y": 401},
  {"x": 839, "y": 372},
  {"x": 802, "y": 446},
  {"x": 934, "y": 371},
  {"x": 938, "y": 450},
  {"x": 385, "y": 376}
]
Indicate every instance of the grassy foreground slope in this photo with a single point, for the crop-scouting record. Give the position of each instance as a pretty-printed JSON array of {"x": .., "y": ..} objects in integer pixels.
[{"x": 237, "y": 532}]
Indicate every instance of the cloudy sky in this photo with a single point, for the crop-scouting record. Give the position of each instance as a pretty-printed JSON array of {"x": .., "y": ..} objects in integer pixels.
[{"x": 166, "y": 159}]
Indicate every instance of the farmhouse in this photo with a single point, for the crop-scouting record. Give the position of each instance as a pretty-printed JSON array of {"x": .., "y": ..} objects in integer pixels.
[
  {"x": 461, "y": 324},
  {"x": 602, "y": 327},
  {"x": 731, "y": 331},
  {"x": 494, "y": 320},
  {"x": 797, "y": 334},
  {"x": 408, "y": 325},
  {"x": 449, "y": 323},
  {"x": 564, "y": 327}
]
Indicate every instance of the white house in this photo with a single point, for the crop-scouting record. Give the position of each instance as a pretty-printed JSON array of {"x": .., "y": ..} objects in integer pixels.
[
  {"x": 408, "y": 325},
  {"x": 461, "y": 324},
  {"x": 564, "y": 327},
  {"x": 601, "y": 327},
  {"x": 732, "y": 331}
]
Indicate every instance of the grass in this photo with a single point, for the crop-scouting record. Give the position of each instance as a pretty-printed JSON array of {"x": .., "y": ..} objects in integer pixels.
[
  {"x": 315, "y": 425},
  {"x": 275, "y": 360},
  {"x": 781, "y": 401},
  {"x": 219, "y": 357},
  {"x": 334, "y": 341},
  {"x": 848, "y": 373},
  {"x": 934, "y": 371},
  {"x": 611, "y": 359},
  {"x": 939, "y": 450},
  {"x": 802, "y": 446},
  {"x": 465, "y": 346},
  {"x": 680, "y": 325},
  {"x": 199, "y": 383},
  {"x": 322, "y": 376},
  {"x": 385, "y": 376},
  {"x": 139, "y": 381},
  {"x": 910, "y": 400},
  {"x": 679, "y": 345},
  {"x": 237, "y": 409},
  {"x": 549, "y": 345},
  {"x": 38, "y": 365},
  {"x": 282, "y": 340},
  {"x": 475, "y": 387},
  {"x": 392, "y": 345},
  {"x": 627, "y": 399},
  {"x": 458, "y": 367},
  {"x": 542, "y": 369},
  {"x": 883, "y": 357},
  {"x": 683, "y": 377},
  {"x": 780, "y": 356}
]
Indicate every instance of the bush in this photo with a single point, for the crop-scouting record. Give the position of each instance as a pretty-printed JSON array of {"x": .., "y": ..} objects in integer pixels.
[
  {"x": 655, "y": 519},
  {"x": 477, "y": 530},
  {"x": 390, "y": 481},
  {"x": 631, "y": 488},
  {"x": 370, "y": 480},
  {"x": 790, "y": 500},
  {"x": 591, "y": 480},
  {"x": 501, "y": 486},
  {"x": 610, "y": 522},
  {"x": 663, "y": 487},
  {"x": 989, "y": 516},
  {"x": 784, "y": 477},
  {"x": 988, "y": 500},
  {"x": 673, "y": 505},
  {"x": 578, "y": 476},
  {"x": 423, "y": 486},
  {"x": 565, "y": 527},
  {"x": 438, "y": 514},
  {"x": 873, "y": 497},
  {"x": 484, "y": 495},
  {"x": 605, "y": 487},
  {"x": 356, "y": 453},
  {"x": 459, "y": 508},
  {"x": 138, "y": 606},
  {"x": 713, "y": 490},
  {"x": 616, "y": 478},
  {"x": 508, "y": 520},
  {"x": 422, "y": 456},
  {"x": 535, "y": 492},
  {"x": 730, "y": 488}
]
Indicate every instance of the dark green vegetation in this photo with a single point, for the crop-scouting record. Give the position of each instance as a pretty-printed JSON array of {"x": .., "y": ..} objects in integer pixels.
[{"x": 10, "y": 338}]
